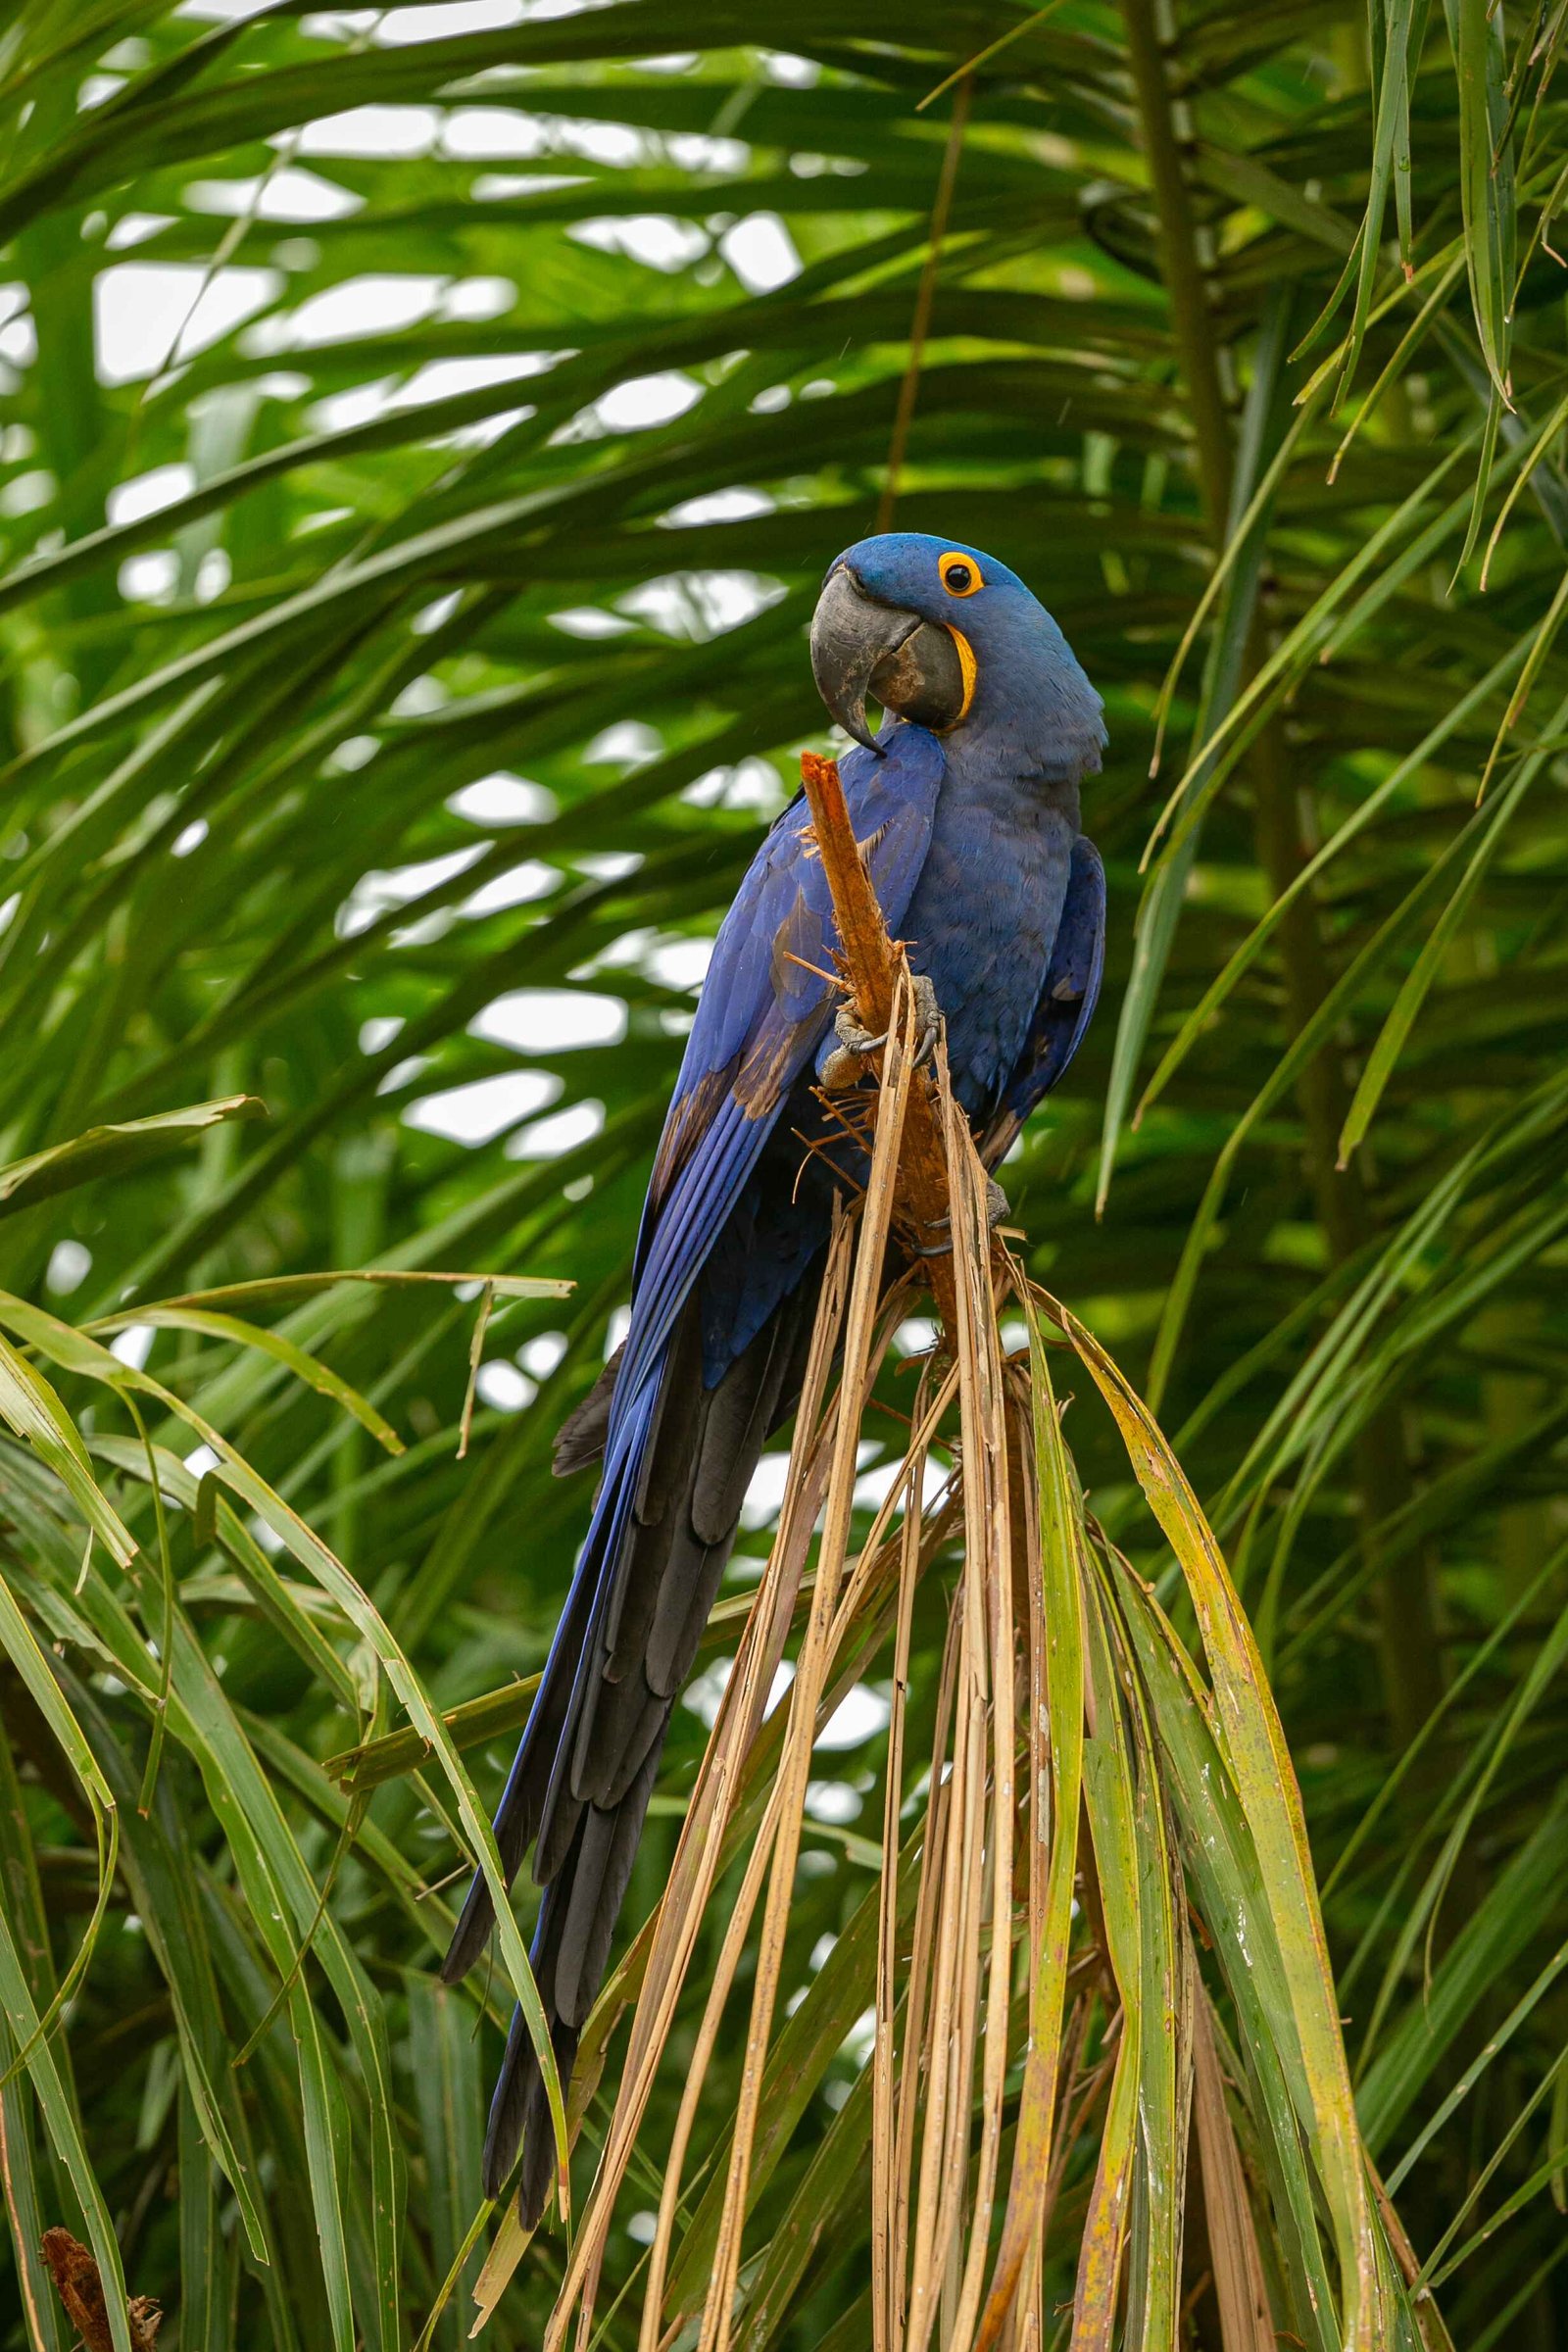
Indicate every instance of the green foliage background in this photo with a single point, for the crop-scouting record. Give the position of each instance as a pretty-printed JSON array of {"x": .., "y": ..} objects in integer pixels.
[{"x": 423, "y": 432}]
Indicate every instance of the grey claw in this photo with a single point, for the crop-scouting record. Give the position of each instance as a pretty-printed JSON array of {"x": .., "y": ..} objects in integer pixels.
[
  {"x": 998, "y": 1206},
  {"x": 855, "y": 1042},
  {"x": 928, "y": 1018},
  {"x": 852, "y": 1036},
  {"x": 842, "y": 1069}
]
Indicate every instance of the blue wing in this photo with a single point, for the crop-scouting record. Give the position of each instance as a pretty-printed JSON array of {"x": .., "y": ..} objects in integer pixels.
[
  {"x": 1066, "y": 1003},
  {"x": 765, "y": 1006}
]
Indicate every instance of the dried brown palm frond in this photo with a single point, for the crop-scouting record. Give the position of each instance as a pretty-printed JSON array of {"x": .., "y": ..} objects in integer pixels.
[{"x": 1096, "y": 1938}]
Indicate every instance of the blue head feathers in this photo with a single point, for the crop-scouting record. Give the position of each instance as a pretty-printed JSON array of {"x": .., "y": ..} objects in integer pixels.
[{"x": 941, "y": 633}]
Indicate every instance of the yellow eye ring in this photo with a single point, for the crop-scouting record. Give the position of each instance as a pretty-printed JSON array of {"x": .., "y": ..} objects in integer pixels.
[{"x": 959, "y": 574}]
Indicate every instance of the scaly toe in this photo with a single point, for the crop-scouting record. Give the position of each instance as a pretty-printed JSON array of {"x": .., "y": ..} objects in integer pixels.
[
  {"x": 927, "y": 1018},
  {"x": 853, "y": 1037}
]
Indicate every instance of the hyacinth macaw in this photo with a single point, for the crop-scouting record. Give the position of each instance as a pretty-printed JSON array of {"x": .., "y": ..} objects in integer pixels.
[{"x": 966, "y": 803}]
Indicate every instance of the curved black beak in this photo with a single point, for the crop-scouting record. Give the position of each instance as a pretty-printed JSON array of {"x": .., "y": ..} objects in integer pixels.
[{"x": 859, "y": 647}]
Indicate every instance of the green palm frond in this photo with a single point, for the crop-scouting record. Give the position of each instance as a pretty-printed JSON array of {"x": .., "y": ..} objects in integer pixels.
[{"x": 421, "y": 434}]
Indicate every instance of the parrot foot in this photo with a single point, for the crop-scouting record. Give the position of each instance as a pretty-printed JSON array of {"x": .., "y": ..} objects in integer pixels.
[
  {"x": 855, "y": 1042},
  {"x": 998, "y": 1206}
]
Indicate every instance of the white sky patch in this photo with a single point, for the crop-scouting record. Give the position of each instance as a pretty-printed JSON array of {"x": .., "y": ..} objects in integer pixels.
[
  {"x": 629, "y": 739},
  {"x": 753, "y": 783},
  {"x": 213, "y": 574},
  {"x": 859, "y": 1716},
  {"x": 698, "y": 605},
  {"x": 380, "y": 302},
  {"x": 794, "y": 72},
  {"x": 485, "y": 429},
  {"x": 540, "y": 1356},
  {"x": 860, "y": 2039},
  {"x": 435, "y": 616},
  {"x": 700, "y": 151},
  {"x": 672, "y": 961},
  {"x": 378, "y": 1032},
  {"x": 833, "y": 1802},
  {"x": 402, "y": 1073},
  {"x": 387, "y": 131},
  {"x": 562, "y": 1131},
  {"x": 403, "y": 25},
  {"x": 150, "y": 493},
  {"x": 476, "y": 1113},
  {"x": 419, "y": 696},
  {"x": 290, "y": 193},
  {"x": 141, "y": 306},
  {"x": 705, "y": 1690},
  {"x": 494, "y": 188},
  {"x": 441, "y": 379},
  {"x": 658, "y": 240},
  {"x": 18, "y": 342},
  {"x": 644, "y": 402},
  {"x": 482, "y": 134},
  {"x": 533, "y": 879},
  {"x": 616, "y": 145},
  {"x": 397, "y": 886},
  {"x": 354, "y": 752},
  {"x": 133, "y": 1345},
  {"x": 766, "y": 1491},
  {"x": 437, "y": 379},
  {"x": 26, "y": 493},
  {"x": 551, "y": 1020},
  {"x": 200, "y": 1460},
  {"x": 761, "y": 253},
  {"x": 502, "y": 798},
  {"x": 151, "y": 578},
  {"x": 735, "y": 505},
  {"x": 874, "y": 1486},
  {"x": 477, "y": 299},
  {"x": 503, "y": 1386},
  {"x": 134, "y": 228},
  {"x": 357, "y": 404},
  {"x": 70, "y": 1264},
  {"x": 190, "y": 837},
  {"x": 589, "y": 620},
  {"x": 680, "y": 964}
]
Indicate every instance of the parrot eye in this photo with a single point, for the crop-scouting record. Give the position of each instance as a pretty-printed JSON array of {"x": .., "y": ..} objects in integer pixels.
[{"x": 959, "y": 575}]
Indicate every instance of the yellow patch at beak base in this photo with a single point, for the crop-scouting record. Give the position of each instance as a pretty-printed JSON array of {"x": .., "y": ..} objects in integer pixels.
[{"x": 971, "y": 668}]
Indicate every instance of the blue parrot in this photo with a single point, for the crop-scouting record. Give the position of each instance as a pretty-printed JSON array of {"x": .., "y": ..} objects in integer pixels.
[{"x": 967, "y": 804}]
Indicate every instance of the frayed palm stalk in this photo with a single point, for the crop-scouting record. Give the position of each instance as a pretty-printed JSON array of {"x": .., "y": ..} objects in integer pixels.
[{"x": 1097, "y": 1944}]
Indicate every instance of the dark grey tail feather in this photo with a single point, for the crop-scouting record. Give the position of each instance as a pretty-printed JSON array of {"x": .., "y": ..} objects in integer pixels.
[
  {"x": 674, "y": 1552},
  {"x": 581, "y": 1437},
  {"x": 571, "y": 1949},
  {"x": 520, "y": 2117},
  {"x": 589, "y": 1757},
  {"x": 518, "y": 1816}
]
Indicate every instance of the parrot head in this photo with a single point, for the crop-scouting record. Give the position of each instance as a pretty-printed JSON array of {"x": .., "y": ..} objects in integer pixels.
[{"x": 945, "y": 636}]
